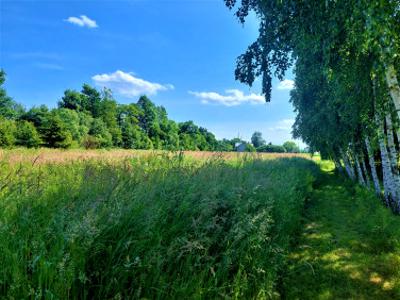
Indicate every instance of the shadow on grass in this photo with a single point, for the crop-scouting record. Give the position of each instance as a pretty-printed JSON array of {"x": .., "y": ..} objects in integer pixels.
[{"x": 349, "y": 248}]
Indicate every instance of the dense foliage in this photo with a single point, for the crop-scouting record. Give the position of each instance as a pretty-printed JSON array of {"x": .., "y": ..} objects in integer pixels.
[
  {"x": 347, "y": 95},
  {"x": 157, "y": 228},
  {"x": 93, "y": 119},
  {"x": 261, "y": 146}
]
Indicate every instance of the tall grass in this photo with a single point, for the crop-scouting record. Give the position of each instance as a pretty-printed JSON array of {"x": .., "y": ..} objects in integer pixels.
[{"x": 151, "y": 227}]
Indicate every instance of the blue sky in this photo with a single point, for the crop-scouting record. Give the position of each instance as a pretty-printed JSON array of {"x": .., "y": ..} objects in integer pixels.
[{"x": 180, "y": 53}]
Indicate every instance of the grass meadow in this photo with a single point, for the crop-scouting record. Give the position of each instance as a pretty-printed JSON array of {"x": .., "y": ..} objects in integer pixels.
[{"x": 159, "y": 225}]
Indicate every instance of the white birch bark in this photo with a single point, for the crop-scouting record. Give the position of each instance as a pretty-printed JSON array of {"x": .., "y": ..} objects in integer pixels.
[
  {"x": 389, "y": 191},
  {"x": 365, "y": 171},
  {"x": 394, "y": 88},
  {"x": 393, "y": 156},
  {"x": 351, "y": 161},
  {"x": 349, "y": 169},
  {"x": 360, "y": 176},
  {"x": 338, "y": 166},
  {"x": 372, "y": 165}
]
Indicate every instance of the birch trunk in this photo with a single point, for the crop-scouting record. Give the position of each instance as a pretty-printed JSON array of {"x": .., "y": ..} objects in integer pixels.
[
  {"x": 351, "y": 161},
  {"x": 393, "y": 156},
  {"x": 360, "y": 176},
  {"x": 389, "y": 191},
  {"x": 394, "y": 88},
  {"x": 372, "y": 165},
  {"x": 338, "y": 165},
  {"x": 347, "y": 165},
  {"x": 388, "y": 188},
  {"x": 365, "y": 171}
]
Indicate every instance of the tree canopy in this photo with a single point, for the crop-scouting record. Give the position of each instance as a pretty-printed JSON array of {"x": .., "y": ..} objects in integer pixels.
[
  {"x": 94, "y": 119},
  {"x": 257, "y": 139},
  {"x": 345, "y": 57}
]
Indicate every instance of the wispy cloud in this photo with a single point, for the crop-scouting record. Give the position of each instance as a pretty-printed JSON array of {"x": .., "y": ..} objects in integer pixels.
[
  {"x": 82, "y": 21},
  {"x": 280, "y": 131},
  {"x": 48, "y": 66},
  {"x": 128, "y": 85},
  {"x": 283, "y": 125},
  {"x": 232, "y": 97},
  {"x": 286, "y": 84},
  {"x": 34, "y": 55}
]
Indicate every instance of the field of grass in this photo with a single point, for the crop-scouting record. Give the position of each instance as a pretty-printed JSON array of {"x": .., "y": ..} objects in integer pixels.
[
  {"x": 164, "y": 226},
  {"x": 45, "y": 155},
  {"x": 349, "y": 247},
  {"x": 158, "y": 225}
]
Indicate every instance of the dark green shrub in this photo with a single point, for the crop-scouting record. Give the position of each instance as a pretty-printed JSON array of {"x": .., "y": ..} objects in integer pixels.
[{"x": 27, "y": 135}]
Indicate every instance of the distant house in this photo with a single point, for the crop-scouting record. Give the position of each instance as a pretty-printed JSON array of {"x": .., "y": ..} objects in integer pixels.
[{"x": 240, "y": 147}]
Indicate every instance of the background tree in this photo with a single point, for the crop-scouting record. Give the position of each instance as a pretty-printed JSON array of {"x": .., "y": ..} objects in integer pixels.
[
  {"x": 91, "y": 100},
  {"x": 250, "y": 148},
  {"x": 37, "y": 116},
  {"x": 257, "y": 139},
  {"x": 291, "y": 147},
  {"x": 7, "y": 133},
  {"x": 26, "y": 135},
  {"x": 72, "y": 100},
  {"x": 76, "y": 122},
  {"x": 93, "y": 119},
  {"x": 271, "y": 148},
  {"x": 108, "y": 112},
  {"x": 9, "y": 109},
  {"x": 98, "y": 130},
  {"x": 133, "y": 137},
  {"x": 224, "y": 145},
  {"x": 346, "y": 62},
  {"x": 55, "y": 132}
]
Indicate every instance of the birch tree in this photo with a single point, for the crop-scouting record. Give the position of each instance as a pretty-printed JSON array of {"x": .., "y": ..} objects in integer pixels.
[{"x": 339, "y": 51}]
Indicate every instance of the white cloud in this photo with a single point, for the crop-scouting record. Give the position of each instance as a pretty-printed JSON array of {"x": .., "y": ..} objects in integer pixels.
[
  {"x": 48, "y": 66},
  {"x": 233, "y": 97},
  {"x": 35, "y": 55},
  {"x": 283, "y": 125},
  {"x": 128, "y": 85},
  {"x": 286, "y": 84},
  {"x": 280, "y": 131},
  {"x": 82, "y": 21}
]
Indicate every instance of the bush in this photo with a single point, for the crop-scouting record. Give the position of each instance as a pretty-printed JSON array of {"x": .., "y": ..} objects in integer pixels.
[
  {"x": 291, "y": 147},
  {"x": 250, "y": 148},
  {"x": 27, "y": 135},
  {"x": 55, "y": 132},
  {"x": 90, "y": 142},
  {"x": 271, "y": 149},
  {"x": 99, "y": 130},
  {"x": 7, "y": 133}
]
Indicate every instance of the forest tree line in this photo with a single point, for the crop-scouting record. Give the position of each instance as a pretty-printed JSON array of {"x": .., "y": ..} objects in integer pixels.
[
  {"x": 346, "y": 59},
  {"x": 93, "y": 119}
]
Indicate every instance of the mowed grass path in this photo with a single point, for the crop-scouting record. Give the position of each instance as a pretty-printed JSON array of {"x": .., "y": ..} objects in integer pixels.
[{"x": 349, "y": 248}]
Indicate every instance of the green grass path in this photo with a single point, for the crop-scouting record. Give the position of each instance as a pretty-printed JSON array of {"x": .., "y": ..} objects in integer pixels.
[{"x": 349, "y": 247}]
